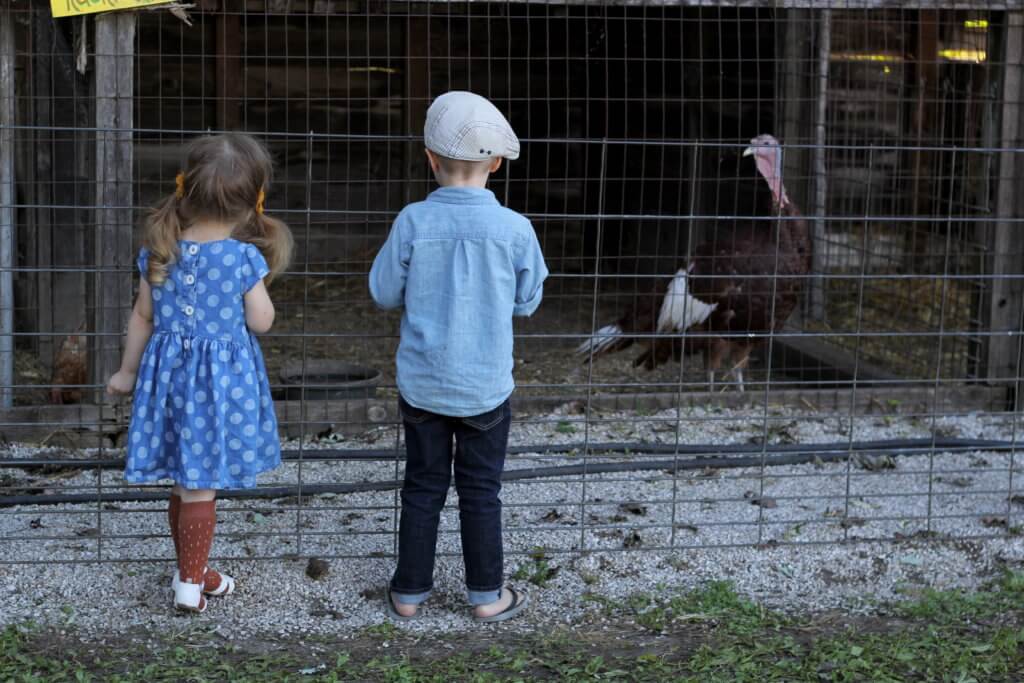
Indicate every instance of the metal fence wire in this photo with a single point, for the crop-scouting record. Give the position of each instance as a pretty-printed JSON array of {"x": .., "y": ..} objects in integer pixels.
[{"x": 882, "y": 406}]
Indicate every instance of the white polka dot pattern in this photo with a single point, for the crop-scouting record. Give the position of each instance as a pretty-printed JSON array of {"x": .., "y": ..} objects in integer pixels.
[{"x": 199, "y": 416}]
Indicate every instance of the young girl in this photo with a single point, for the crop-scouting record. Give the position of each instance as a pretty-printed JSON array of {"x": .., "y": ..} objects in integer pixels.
[{"x": 202, "y": 414}]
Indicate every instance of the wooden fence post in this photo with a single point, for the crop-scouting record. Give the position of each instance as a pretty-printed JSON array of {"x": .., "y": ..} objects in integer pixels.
[
  {"x": 8, "y": 228},
  {"x": 1004, "y": 306},
  {"x": 115, "y": 48},
  {"x": 417, "y": 94},
  {"x": 229, "y": 68},
  {"x": 817, "y": 282}
]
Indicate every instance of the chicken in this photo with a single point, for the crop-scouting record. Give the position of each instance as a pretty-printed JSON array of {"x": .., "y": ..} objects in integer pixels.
[
  {"x": 70, "y": 369},
  {"x": 743, "y": 284}
]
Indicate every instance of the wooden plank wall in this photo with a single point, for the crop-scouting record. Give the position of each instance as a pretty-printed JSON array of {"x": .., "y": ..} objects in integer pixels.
[{"x": 58, "y": 234}]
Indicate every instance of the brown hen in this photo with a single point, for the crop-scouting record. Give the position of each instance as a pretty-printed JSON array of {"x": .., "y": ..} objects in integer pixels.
[{"x": 70, "y": 369}]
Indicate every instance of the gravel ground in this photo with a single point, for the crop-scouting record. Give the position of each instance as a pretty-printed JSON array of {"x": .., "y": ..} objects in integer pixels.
[{"x": 642, "y": 531}]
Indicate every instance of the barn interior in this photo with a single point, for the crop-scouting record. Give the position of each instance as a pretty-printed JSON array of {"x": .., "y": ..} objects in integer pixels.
[{"x": 633, "y": 118}]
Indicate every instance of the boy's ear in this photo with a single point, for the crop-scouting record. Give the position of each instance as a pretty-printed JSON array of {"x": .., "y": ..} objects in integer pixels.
[
  {"x": 495, "y": 164},
  {"x": 434, "y": 164}
]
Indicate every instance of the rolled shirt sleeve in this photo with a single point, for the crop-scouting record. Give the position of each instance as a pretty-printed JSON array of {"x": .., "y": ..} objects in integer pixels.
[
  {"x": 390, "y": 269},
  {"x": 530, "y": 275}
]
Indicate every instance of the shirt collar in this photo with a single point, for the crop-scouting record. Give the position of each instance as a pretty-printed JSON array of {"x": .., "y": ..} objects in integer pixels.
[{"x": 462, "y": 195}]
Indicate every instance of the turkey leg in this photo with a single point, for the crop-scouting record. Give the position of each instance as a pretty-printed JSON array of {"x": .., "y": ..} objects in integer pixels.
[
  {"x": 740, "y": 366},
  {"x": 719, "y": 349}
]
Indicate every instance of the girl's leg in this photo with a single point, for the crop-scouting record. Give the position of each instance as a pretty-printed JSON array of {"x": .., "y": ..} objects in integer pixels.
[{"x": 196, "y": 523}]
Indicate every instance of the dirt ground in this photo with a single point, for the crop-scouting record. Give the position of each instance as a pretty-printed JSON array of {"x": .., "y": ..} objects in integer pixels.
[
  {"x": 333, "y": 318},
  {"x": 330, "y": 316}
]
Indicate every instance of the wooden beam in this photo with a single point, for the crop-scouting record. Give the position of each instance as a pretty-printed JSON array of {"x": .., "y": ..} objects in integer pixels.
[
  {"x": 815, "y": 361},
  {"x": 1003, "y": 308},
  {"x": 229, "y": 70},
  {"x": 396, "y": 7},
  {"x": 115, "y": 48},
  {"x": 89, "y": 426}
]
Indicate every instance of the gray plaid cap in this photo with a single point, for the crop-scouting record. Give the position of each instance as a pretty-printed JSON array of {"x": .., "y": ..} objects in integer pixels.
[{"x": 462, "y": 125}]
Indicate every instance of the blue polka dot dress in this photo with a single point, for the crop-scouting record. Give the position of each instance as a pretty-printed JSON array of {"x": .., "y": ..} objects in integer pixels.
[{"x": 202, "y": 413}]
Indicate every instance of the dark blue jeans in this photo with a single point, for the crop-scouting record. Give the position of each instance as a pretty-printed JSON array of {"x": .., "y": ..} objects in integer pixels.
[{"x": 478, "y": 457}]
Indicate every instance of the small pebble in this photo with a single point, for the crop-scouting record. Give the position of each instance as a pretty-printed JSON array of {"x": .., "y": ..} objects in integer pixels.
[{"x": 819, "y": 506}]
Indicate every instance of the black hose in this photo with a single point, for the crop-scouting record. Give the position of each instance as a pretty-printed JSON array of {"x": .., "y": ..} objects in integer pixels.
[
  {"x": 770, "y": 455},
  {"x": 390, "y": 455}
]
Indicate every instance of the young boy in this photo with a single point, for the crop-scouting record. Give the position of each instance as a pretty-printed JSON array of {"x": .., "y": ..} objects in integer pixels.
[{"x": 462, "y": 265}]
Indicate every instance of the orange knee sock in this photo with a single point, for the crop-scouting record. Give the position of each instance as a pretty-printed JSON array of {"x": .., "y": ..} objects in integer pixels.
[
  {"x": 196, "y": 523},
  {"x": 212, "y": 579}
]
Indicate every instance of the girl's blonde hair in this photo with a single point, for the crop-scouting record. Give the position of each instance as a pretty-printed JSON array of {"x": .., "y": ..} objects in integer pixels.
[{"x": 225, "y": 179}]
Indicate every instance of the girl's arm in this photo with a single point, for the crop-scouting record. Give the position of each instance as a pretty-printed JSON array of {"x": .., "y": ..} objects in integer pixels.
[
  {"x": 259, "y": 309},
  {"x": 140, "y": 328}
]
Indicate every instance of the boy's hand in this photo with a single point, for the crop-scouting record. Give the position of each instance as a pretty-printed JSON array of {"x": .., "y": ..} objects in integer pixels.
[{"x": 121, "y": 384}]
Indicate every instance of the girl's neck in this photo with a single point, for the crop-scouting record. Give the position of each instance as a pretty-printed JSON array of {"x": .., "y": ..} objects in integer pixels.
[{"x": 208, "y": 231}]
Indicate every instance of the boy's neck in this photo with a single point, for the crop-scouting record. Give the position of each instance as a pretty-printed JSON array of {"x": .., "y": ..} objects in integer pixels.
[{"x": 478, "y": 181}]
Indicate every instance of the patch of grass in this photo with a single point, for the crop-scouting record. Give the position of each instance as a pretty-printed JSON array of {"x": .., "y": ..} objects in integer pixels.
[
  {"x": 943, "y": 636},
  {"x": 710, "y": 635},
  {"x": 538, "y": 570},
  {"x": 564, "y": 427},
  {"x": 945, "y": 608},
  {"x": 715, "y": 603},
  {"x": 384, "y": 630}
]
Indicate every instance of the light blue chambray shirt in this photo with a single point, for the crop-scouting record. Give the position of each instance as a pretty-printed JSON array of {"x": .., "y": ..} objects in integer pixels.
[{"x": 462, "y": 265}]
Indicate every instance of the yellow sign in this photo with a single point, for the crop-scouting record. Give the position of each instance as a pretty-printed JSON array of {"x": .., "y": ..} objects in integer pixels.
[{"x": 72, "y": 8}]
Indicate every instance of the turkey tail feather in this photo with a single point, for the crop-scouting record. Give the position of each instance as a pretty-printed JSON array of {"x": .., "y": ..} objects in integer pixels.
[
  {"x": 679, "y": 310},
  {"x": 607, "y": 339}
]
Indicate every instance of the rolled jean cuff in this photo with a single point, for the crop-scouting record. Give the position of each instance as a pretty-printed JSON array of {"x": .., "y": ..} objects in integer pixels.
[
  {"x": 410, "y": 598},
  {"x": 477, "y": 598}
]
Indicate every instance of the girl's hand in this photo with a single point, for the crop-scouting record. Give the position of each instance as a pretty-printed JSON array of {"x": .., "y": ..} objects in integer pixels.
[{"x": 121, "y": 384}]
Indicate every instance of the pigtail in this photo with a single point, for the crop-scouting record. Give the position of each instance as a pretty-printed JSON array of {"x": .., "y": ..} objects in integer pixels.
[
  {"x": 273, "y": 238},
  {"x": 163, "y": 230}
]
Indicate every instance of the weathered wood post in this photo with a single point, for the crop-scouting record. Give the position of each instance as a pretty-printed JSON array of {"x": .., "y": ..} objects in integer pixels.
[
  {"x": 7, "y": 212},
  {"x": 817, "y": 283},
  {"x": 417, "y": 100},
  {"x": 1004, "y": 307},
  {"x": 115, "y": 49},
  {"x": 229, "y": 68}
]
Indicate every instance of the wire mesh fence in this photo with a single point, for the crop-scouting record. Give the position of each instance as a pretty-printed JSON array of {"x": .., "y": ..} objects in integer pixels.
[{"x": 881, "y": 404}]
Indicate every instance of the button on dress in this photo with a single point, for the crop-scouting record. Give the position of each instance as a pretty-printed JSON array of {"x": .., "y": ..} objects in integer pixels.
[{"x": 202, "y": 413}]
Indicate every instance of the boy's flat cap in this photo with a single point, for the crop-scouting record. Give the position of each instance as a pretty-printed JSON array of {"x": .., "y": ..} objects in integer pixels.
[{"x": 462, "y": 125}]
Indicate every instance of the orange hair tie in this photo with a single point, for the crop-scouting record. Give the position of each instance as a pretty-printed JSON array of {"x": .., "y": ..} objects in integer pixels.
[
  {"x": 179, "y": 185},
  {"x": 259, "y": 201}
]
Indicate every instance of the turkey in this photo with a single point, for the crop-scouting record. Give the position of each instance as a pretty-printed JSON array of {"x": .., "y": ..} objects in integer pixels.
[
  {"x": 70, "y": 369},
  {"x": 743, "y": 284}
]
